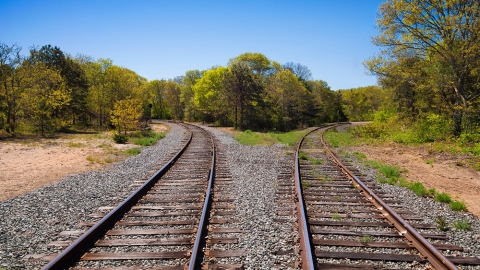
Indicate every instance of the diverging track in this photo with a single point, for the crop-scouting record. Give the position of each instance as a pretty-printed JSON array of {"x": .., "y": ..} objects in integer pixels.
[
  {"x": 348, "y": 222},
  {"x": 164, "y": 224}
]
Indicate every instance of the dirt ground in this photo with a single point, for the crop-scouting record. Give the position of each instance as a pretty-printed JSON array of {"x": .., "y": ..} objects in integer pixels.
[
  {"x": 26, "y": 165},
  {"x": 443, "y": 173}
]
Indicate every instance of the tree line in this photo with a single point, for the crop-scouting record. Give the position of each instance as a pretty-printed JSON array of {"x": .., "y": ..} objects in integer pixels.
[
  {"x": 49, "y": 90},
  {"x": 429, "y": 64}
]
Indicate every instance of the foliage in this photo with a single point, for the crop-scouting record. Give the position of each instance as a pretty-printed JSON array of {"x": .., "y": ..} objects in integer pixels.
[
  {"x": 360, "y": 104},
  {"x": 120, "y": 138},
  {"x": 429, "y": 58},
  {"x": 126, "y": 114}
]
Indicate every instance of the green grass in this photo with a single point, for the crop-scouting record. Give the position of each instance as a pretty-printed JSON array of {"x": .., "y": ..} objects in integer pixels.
[
  {"x": 458, "y": 206},
  {"x": 443, "y": 197},
  {"x": 151, "y": 139},
  {"x": 419, "y": 189},
  {"x": 462, "y": 225},
  {"x": 302, "y": 156},
  {"x": 365, "y": 239},
  {"x": 133, "y": 151},
  {"x": 317, "y": 162},
  {"x": 91, "y": 159},
  {"x": 249, "y": 137},
  {"x": 74, "y": 144},
  {"x": 340, "y": 139},
  {"x": 336, "y": 216}
]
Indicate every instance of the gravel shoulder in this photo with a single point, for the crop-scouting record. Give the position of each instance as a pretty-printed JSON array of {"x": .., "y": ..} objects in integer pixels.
[{"x": 34, "y": 219}]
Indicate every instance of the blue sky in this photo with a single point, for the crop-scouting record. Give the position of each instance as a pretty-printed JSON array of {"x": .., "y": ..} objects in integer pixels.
[{"x": 163, "y": 39}]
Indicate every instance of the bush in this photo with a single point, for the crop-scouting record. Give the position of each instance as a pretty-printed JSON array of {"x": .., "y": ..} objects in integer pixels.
[
  {"x": 433, "y": 128},
  {"x": 120, "y": 138}
]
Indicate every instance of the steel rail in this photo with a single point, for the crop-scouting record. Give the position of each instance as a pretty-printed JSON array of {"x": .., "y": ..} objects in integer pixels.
[
  {"x": 195, "y": 259},
  {"x": 426, "y": 249},
  {"x": 77, "y": 248},
  {"x": 305, "y": 244}
]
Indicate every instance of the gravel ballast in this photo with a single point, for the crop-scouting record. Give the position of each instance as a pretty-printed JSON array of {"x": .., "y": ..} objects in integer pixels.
[{"x": 31, "y": 221}]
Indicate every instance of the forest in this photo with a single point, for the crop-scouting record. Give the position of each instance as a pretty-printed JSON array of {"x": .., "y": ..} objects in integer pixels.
[
  {"x": 428, "y": 72},
  {"x": 49, "y": 91}
]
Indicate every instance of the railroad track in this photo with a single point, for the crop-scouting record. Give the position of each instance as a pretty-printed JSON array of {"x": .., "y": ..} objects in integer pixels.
[
  {"x": 177, "y": 219},
  {"x": 347, "y": 221}
]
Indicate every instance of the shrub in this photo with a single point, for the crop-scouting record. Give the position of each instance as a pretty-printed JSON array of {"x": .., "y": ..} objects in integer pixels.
[
  {"x": 433, "y": 128},
  {"x": 458, "y": 206},
  {"x": 120, "y": 138},
  {"x": 443, "y": 197},
  {"x": 441, "y": 223}
]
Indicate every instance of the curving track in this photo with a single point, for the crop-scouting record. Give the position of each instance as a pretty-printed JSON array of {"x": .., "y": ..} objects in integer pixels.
[
  {"x": 348, "y": 222},
  {"x": 163, "y": 225}
]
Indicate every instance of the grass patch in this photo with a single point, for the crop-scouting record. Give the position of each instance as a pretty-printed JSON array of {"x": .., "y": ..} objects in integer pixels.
[
  {"x": 430, "y": 160},
  {"x": 317, "y": 162},
  {"x": 91, "y": 159},
  {"x": 443, "y": 197},
  {"x": 75, "y": 144},
  {"x": 419, "y": 189},
  {"x": 249, "y": 137},
  {"x": 133, "y": 151},
  {"x": 462, "y": 224},
  {"x": 302, "y": 156},
  {"x": 365, "y": 239},
  {"x": 359, "y": 156},
  {"x": 150, "y": 139},
  {"x": 336, "y": 216},
  {"x": 458, "y": 206},
  {"x": 339, "y": 139}
]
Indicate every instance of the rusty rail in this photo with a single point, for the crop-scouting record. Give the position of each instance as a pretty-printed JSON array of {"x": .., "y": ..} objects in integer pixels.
[
  {"x": 305, "y": 245},
  {"x": 195, "y": 259},
  {"x": 428, "y": 251},
  {"x": 74, "y": 251}
]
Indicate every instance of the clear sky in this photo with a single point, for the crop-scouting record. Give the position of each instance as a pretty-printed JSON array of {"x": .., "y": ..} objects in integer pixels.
[{"x": 160, "y": 39}]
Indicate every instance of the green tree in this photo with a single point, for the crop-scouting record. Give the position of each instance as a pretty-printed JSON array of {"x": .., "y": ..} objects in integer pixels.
[
  {"x": 126, "y": 114},
  {"x": 73, "y": 75},
  {"x": 10, "y": 86},
  {"x": 360, "y": 104},
  {"x": 172, "y": 97},
  {"x": 210, "y": 97},
  {"x": 243, "y": 89},
  {"x": 444, "y": 33},
  {"x": 187, "y": 94},
  {"x": 289, "y": 100},
  {"x": 45, "y": 94}
]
